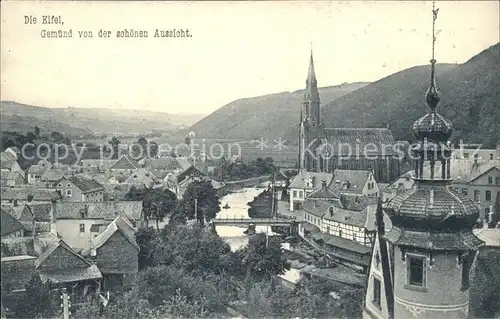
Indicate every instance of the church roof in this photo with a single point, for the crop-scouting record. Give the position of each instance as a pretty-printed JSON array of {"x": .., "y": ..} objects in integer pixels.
[{"x": 361, "y": 141}]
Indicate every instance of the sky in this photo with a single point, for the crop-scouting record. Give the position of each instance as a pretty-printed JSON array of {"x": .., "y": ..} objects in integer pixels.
[{"x": 237, "y": 49}]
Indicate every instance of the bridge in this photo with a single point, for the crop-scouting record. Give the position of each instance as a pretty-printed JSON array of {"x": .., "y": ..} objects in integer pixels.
[{"x": 244, "y": 222}]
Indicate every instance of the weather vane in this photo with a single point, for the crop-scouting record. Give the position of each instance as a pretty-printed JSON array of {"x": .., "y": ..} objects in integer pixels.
[{"x": 434, "y": 17}]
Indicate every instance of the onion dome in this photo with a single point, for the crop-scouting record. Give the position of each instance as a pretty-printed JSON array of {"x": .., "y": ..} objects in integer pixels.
[
  {"x": 432, "y": 205},
  {"x": 432, "y": 126}
]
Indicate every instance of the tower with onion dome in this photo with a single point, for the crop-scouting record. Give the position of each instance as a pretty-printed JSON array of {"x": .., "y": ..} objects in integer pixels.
[{"x": 420, "y": 266}]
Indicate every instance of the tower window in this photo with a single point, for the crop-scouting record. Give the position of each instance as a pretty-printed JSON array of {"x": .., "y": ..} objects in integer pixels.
[
  {"x": 490, "y": 179},
  {"x": 377, "y": 289},
  {"x": 416, "y": 271}
]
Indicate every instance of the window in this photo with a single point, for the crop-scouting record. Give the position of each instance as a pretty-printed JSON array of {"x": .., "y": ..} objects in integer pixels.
[
  {"x": 487, "y": 195},
  {"x": 476, "y": 196},
  {"x": 497, "y": 180},
  {"x": 491, "y": 157},
  {"x": 69, "y": 193},
  {"x": 82, "y": 228},
  {"x": 68, "y": 185},
  {"x": 376, "y": 291},
  {"x": 464, "y": 191},
  {"x": 466, "y": 155},
  {"x": 490, "y": 179},
  {"x": 295, "y": 194},
  {"x": 59, "y": 185},
  {"x": 301, "y": 194},
  {"x": 416, "y": 270}
]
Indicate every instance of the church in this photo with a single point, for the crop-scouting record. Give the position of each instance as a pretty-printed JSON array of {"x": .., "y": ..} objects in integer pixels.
[{"x": 324, "y": 149}]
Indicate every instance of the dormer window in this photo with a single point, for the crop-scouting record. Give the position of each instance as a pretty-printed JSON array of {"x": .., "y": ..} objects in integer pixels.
[
  {"x": 68, "y": 185},
  {"x": 59, "y": 185}
]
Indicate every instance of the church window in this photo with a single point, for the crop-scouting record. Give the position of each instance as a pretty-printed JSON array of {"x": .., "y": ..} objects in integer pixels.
[
  {"x": 377, "y": 289},
  {"x": 416, "y": 270}
]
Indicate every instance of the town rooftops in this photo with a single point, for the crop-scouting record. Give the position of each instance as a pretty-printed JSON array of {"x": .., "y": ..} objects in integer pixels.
[
  {"x": 22, "y": 193},
  {"x": 99, "y": 210},
  {"x": 350, "y": 181},
  {"x": 52, "y": 175},
  {"x": 6, "y": 176},
  {"x": 72, "y": 274},
  {"x": 324, "y": 193},
  {"x": 310, "y": 180},
  {"x": 360, "y": 141},
  {"x": 124, "y": 162},
  {"x": 85, "y": 185},
  {"x": 164, "y": 163}
]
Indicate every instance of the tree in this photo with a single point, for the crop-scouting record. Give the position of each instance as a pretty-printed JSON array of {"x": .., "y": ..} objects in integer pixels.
[
  {"x": 208, "y": 204},
  {"x": 115, "y": 144},
  {"x": 264, "y": 257},
  {"x": 148, "y": 241},
  {"x": 57, "y": 137},
  {"x": 37, "y": 300},
  {"x": 157, "y": 203}
]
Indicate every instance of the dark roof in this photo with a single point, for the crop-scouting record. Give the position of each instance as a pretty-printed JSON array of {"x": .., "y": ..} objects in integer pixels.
[
  {"x": 316, "y": 178},
  {"x": 9, "y": 224},
  {"x": 13, "y": 175},
  {"x": 348, "y": 217},
  {"x": 316, "y": 207},
  {"x": 324, "y": 192},
  {"x": 369, "y": 141},
  {"x": 357, "y": 203},
  {"x": 464, "y": 240},
  {"x": 347, "y": 244},
  {"x": 52, "y": 247},
  {"x": 41, "y": 211},
  {"x": 39, "y": 194},
  {"x": 72, "y": 274},
  {"x": 433, "y": 203},
  {"x": 310, "y": 227},
  {"x": 350, "y": 181},
  {"x": 85, "y": 185},
  {"x": 100, "y": 210},
  {"x": 190, "y": 172}
]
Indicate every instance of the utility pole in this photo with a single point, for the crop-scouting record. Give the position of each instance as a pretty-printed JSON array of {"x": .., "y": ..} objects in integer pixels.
[
  {"x": 66, "y": 304},
  {"x": 196, "y": 210}
]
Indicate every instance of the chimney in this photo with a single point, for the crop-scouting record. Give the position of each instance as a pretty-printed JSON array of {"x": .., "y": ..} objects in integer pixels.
[
  {"x": 53, "y": 218},
  {"x": 15, "y": 203}
]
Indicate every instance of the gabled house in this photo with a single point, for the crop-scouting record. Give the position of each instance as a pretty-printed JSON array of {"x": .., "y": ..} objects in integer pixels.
[
  {"x": 78, "y": 223},
  {"x": 77, "y": 189},
  {"x": 355, "y": 182},
  {"x": 51, "y": 176},
  {"x": 124, "y": 164},
  {"x": 12, "y": 179},
  {"x": 8, "y": 162},
  {"x": 60, "y": 264},
  {"x": 303, "y": 184},
  {"x": 34, "y": 174},
  {"x": 10, "y": 227},
  {"x": 116, "y": 252}
]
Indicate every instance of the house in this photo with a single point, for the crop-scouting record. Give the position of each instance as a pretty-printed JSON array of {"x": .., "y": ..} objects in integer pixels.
[
  {"x": 279, "y": 179},
  {"x": 116, "y": 252},
  {"x": 485, "y": 155},
  {"x": 305, "y": 183},
  {"x": 10, "y": 227},
  {"x": 355, "y": 182},
  {"x": 12, "y": 179},
  {"x": 77, "y": 189},
  {"x": 180, "y": 183},
  {"x": 100, "y": 165},
  {"x": 50, "y": 177},
  {"x": 141, "y": 177},
  {"x": 79, "y": 223},
  {"x": 34, "y": 174},
  {"x": 8, "y": 162},
  {"x": 124, "y": 164},
  {"x": 164, "y": 164},
  {"x": 60, "y": 264},
  {"x": 21, "y": 195}
]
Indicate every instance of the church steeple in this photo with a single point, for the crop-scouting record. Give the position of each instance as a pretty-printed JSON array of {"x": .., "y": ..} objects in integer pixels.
[{"x": 311, "y": 94}]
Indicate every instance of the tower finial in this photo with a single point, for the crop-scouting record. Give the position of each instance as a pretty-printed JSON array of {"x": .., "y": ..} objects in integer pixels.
[{"x": 432, "y": 95}]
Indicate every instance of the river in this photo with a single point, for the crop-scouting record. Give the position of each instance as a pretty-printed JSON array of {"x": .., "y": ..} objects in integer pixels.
[{"x": 239, "y": 209}]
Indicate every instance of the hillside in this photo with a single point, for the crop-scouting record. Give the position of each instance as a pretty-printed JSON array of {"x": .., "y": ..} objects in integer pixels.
[
  {"x": 79, "y": 121},
  {"x": 269, "y": 116},
  {"x": 470, "y": 98}
]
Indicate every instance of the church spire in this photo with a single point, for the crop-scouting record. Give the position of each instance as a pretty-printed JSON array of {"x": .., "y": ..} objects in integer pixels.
[
  {"x": 311, "y": 92},
  {"x": 432, "y": 96}
]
